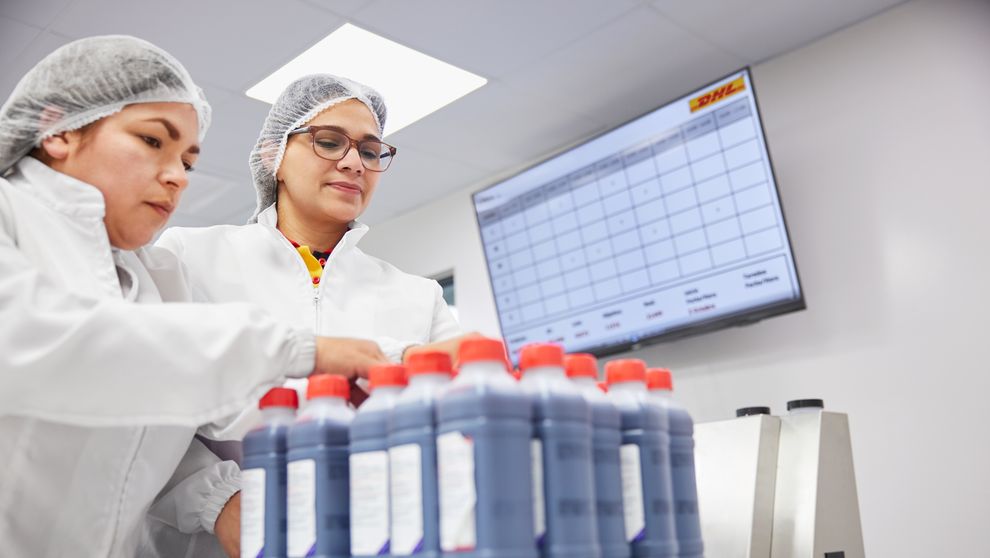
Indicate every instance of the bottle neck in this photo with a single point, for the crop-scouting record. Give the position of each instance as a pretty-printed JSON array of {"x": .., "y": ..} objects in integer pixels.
[
  {"x": 627, "y": 387},
  {"x": 278, "y": 415},
  {"x": 585, "y": 381},
  {"x": 548, "y": 372},
  {"x": 482, "y": 368},
  {"x": 387, "y": 391},
  {"x": 660, "y": 393},
  {"x": 431, "y": 379},
  {"x": 329, "y": 401}
]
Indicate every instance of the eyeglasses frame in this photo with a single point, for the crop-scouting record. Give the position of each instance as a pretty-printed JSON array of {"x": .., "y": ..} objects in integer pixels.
[{"x": 356, "y": 144}]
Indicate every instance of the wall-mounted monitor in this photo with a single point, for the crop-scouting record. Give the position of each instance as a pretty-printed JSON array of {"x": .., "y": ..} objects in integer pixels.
[{"x": 668, "y": 225}]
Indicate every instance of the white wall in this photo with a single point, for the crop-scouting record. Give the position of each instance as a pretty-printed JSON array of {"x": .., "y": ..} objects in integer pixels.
[{"x": 880, "y": 136}]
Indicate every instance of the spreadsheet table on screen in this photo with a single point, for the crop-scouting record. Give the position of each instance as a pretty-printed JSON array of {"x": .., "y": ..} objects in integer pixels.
[{"x": 640, "y": 232}]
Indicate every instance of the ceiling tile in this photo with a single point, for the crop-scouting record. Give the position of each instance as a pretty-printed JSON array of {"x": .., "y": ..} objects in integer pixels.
[
  {"x": 221, "y": 43},
  {"x": 211, "y": 198},
  {"x": 489, "y": 38},
  {"x": 34, "y": 12},
  {"x": 625, "y": 69},
  {"x": 237, "y": 121},
  {"x": 758, "y": 29},
  {"x": 34, "y": 50},
  {"x": 14, "y": 38},
  {"x": 494, "y": 128},
  {"x": 205, "y": 191},
  {"x": 344, "y": 8}
]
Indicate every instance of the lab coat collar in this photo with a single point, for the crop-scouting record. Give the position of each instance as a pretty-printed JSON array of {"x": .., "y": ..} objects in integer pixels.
[
  {"x": 61, "y": 192},
  {"x": 269, "y": 218}
]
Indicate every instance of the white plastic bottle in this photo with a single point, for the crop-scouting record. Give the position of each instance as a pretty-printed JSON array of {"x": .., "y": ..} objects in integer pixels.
[{"x": 370, "y": 510}]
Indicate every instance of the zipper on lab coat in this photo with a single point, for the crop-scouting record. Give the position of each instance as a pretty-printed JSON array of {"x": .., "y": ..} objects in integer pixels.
[
  {"x": 316, "y": 307},
  {"x": 316, "y": 288}
]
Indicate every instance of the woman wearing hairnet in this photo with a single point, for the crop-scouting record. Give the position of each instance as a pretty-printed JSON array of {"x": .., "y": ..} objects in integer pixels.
[
  {"x": 316, "y": 165},
  {"x": 102, "y": 386}
]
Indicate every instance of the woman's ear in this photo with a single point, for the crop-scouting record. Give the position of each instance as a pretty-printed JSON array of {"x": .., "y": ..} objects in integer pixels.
[
  {"x": 58, "y": 147},
  {"x": 61, "y": 145}
]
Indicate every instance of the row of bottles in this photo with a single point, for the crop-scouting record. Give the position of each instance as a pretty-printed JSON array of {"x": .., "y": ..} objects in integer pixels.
[{"x": 479, "y": 466}]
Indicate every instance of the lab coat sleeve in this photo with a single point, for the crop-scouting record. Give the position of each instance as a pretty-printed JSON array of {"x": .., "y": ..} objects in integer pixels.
[
  {"x": 65, "y": 357},
  {"x": 445, "y": 325},
  {"x": 393, "y": 349},
  {"x": 197, "y": 492},
  {"x": 173, "y": 243}
]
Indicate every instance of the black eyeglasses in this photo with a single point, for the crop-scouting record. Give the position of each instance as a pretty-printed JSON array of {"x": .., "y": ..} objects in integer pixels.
[{"x": 333, "y": 145}]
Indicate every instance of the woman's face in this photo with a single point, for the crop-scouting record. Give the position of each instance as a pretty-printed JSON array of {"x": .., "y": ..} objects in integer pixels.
[
  {"x": 319, "y": 191},
  {"x": 139, "y": 158}
]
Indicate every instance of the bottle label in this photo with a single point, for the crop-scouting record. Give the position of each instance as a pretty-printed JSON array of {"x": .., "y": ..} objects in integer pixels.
[
  {"x": 406, "y": 486},
  {"x": 252, "y": 512},
  {"x": 301, "y": 507},
  {"x": 632, "y": 492},
  {"x": 539, "y": 505},
  {"x": 458, "y": 494},
  {"x": 369, "y": 503}
]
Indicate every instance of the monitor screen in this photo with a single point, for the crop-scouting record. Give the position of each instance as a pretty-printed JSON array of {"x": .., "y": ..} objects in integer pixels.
[{"x": 662, "y": 227}]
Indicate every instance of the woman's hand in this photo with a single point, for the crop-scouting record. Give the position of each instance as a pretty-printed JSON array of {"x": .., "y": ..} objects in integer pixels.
[
  {"x": 449, "y": 346},
  {"x": 347, "y": 357},
  {"x": 228, "y": 526}
]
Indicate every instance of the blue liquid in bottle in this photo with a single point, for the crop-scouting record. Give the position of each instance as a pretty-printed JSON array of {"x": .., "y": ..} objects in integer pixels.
[
  {"x": 484, "y": 459},
  {"x": 606, "y": 440},
  {"x": 319, "y": 520},
  {"x": 685, "y": 488},
  {"x": 369, "y": 486},
  {"x": 415, "y": 519},
  {"x": 646, "y": 485},
  {"x": 263, "y": 478},
  {"x": 563, "y": 455}
]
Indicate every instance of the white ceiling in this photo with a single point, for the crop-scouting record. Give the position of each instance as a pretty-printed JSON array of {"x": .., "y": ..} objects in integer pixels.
[{"x": 559, "y": 71}]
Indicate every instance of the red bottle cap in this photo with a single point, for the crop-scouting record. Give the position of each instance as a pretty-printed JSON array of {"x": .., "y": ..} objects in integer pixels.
[
  {"x": 659, "y": 378},
  {"x": 388, "y": 375},
  {"x": 603, "y": 386},
  {"x": 541, "y": 354},
  {"x": 280, "y": 397},
  {"x": 517, "y": 374},
  {"x": 479, "y": 350},
  {"x": 328, "y": 385},
  {"x": 581, "y": 365},
  {"x": 625, "y": 370},
  {"x": 429, "y": 362}
]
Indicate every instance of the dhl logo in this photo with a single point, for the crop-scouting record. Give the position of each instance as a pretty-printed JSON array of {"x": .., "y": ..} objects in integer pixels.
[{"x": 717, "y": 94}]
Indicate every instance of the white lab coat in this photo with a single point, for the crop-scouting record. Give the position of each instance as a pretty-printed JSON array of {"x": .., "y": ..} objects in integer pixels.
[
  {"x": 102, "y": 387},
  {"x": 358, "y": 296}
]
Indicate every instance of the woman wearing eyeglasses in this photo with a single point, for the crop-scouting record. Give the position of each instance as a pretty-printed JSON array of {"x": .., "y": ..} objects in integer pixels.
[{"x": 316, "y": 165}]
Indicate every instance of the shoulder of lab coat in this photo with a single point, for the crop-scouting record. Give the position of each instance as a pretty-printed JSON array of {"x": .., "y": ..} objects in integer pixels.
[
  {"x": 92, "y": 359},
  {"x": 197, "y": 246},
  {"x": 444, "y": 325}
]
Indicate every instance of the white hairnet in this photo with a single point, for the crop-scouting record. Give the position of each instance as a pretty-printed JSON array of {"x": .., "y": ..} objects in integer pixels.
[
  {"x": 87, "y": 80},
  {"x": 301, "y": 101}
]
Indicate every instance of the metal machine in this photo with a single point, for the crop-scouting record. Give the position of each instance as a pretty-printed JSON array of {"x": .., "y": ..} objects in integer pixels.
[{"x": 778, "y": 487}]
